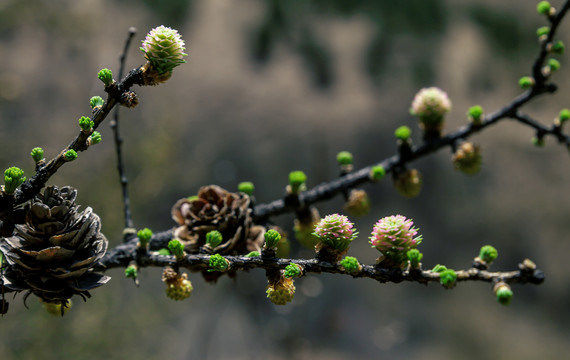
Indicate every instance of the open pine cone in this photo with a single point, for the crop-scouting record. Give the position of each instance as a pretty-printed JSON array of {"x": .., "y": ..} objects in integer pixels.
[
  {"x": 217, "y": 209},
  {"x": 52, "y": 253}
]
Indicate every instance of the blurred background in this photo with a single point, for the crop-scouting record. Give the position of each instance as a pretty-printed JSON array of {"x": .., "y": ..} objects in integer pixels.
[{"x": 274, "y": 86}]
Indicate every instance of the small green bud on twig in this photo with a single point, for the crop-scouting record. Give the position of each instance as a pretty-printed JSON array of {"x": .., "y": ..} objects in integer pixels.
[
  {"x": 106, "y": 76},
  {"x": 37, "y": 154},
  {"x": 86, "y": 124},
  {"x": 403, "y": 133},
  {"x": 475, "y": 114},
  {"x": 503, "y": 293},
  {"x": 557, "y": 48},
  {"x": 218, "y": 263},
  {"x": 96, "y": 101},
  {"x": 344, "y": 158},
  {"x": 272, "y": 238},
  {"x": 214, "y": 238},
  {"x": 144, "y": 236},
  {"x": 439, "y": 268},
  {"x": 253, "y": 254},
  {"x": 414, "y": 257},
  {"x": 176, "y": 248},
  {"x": 246, "y": 187},
  {"x": 542, "y": 32},
  {"x": 526, "y": 82},
  {"x": 297, "y": 181},
  {"x": 293, "y": 271},
  {"x": 13, "y": 177},
  {"x": 377, "y": 173},
  {"x": 543, "y": 8},
  {"x": 488, "y": 254},
  {"x": 448, "y": 278},
  {"x": 350, "y": 265},
  {"x": 95, "y": 138},
  {"x": 70, "y": 155},
  {"x": 562, "y": 117}
]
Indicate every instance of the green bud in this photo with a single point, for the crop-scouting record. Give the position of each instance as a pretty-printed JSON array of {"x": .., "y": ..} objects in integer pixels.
[
  {"x": 95, "y": 138},
  {"x": 543, "y": 8},
  {"x": 344, "y": 158},
  {"x": 164, "y": 252},
  {"x": 272, "y": 237},
  {"x": 526, "y": 82},
  {"x": 176, "y": 248},
  {"x": 447, "y": 278},
  {"x": 144, "y": 236},
  {"x": 218, "y": 263},
  {"x": 293, "y": 271},
  {"x": 253, "y": 254},
  {"x": 350, "y": 264},
  {"x": 488, "y": 254},
  {"x": 557, "y": 48},
  {"x": 164, "y": 48},
  {"x": 214, "y": 238},
  {"x": 246, "y": 187},
  {"x": 542, "y": 31},
  {"x": 86, "y": 123},
  {"x": 106, "y": 76},
  {"x": 553, "y": 64},
  {"x": 13, "y": 177},
  {"x": 564, "y": 115},
  {"x": 377, "y": 172},
  {"x": 403, "y": 133},
  {"x": 438, "y": 268},
  {"x": 192, "y": 198},
  {"x": 474, "y": 114},
  {"x": 70, "y": 155},
  {"x": 504, "y": 293},
  {"x": 37, "y": 154},
  {"x": 131, "y": 272},
  {"x": 297, "y": 181},
  {"x": 96, "y": 101},
  {"x": 538, "y": 141},
  {"x": 414, "y": 257}
]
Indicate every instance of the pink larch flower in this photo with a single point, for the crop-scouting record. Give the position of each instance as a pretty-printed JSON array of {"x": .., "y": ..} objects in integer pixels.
[
  {"x": 394, "y": 236},
  {"x": 335, "y": 231},
  {"x": 430, "y": 104}
]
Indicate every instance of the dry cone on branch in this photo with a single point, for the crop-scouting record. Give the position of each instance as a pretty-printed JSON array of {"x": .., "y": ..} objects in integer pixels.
[{"x": 52, "y": 254}]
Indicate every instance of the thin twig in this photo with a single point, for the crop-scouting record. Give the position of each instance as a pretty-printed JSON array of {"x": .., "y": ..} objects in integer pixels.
[{"x": 119, "y": 141}]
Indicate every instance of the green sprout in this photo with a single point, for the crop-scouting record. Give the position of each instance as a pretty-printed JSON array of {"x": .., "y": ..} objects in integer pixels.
[
  {"x": 377, "y": 172},
  {"x": 403, "y": 133},
  {"x": 293, "y": 271},
  {"x": 564, "y": 115},
  {"x": 95, "y": 138},
  {"x": 488, "y": 254},
  {"x": 526, "y": 82},
  {"x": 272, "y": 238},
  {"x": 70, "y": 155},
  {"x": 553, "y": 64},
  {"x": 37, "y": 154},
  {"x": 297, "y": 181},
  {"x": 144, "y": 236},
  {"x": 246, "y": 187},
  {"x": 218, "y": 263},
  {"x": 164, "y": 252},
  {"x": 86, "y": 124},
  {"x": 214, "y": 238},
  {"x": 542, "y": 31},
  {"x": 176, "y": 248},
  {"x": 557, "y": 48},
  {"x": 131, "y": 272},
  {"x": 106, "y": 76},
  {"x": 96, "y": 101},
  {"x": 350, "y": 264},
  {"x": 344, "y": 158},
  {"x": 253, "y": 254},
  {"x": 13, "y": 177},
  {"x": 474, "y": 114},
  {"x": 439, "y": 268},
  {"x": 543, "y": 8},
  {"x": 504, "y": 294},
  {"x": 447, "y": 278},
  {"x": 414, "y": 257}
]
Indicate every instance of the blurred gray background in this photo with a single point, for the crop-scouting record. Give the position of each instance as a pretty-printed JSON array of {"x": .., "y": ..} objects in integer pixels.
[{"x": 276, "y": 86}]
